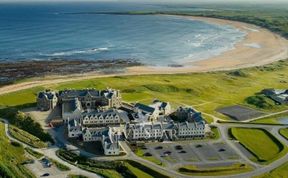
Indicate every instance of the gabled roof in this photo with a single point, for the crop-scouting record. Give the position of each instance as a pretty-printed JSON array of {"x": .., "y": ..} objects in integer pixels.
[
  {"x": 145, "y": 108},
  {"x": 41, "y": 94},
  {"x": 48, "y": 95},
  {"x": 71, "y": 105},
  {"x": 79, "y": 93},
  {"x": 73, "y": 123},
  {"x": 95, "y": 132},
  {"x": 111, "y": 112},
  {"x": 163, "y": 104}
]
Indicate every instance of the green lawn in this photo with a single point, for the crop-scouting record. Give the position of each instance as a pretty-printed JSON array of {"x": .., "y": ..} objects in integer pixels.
[
  {"x": 219, "y": 89},
  {"x": 107, "y": 169},
  {"x": 279, "y": 172},
  {"x": 271, "y": 120},
  {"x": 216, "y": 134},
  {"x": 11, "y": 158},
  {"x": 139, "y": 173},
  {"x": 215, "y": 171},
  {"x": 34, "y": 153},
  {"x": 284, "y": 133},
  {"x": 19, "y": 97},
  {"x": 26, "y": 137},
  {"x": 139, "y": 152},
  {"x": 76, "y": 176},
  {"x": 263, "y": 145}
]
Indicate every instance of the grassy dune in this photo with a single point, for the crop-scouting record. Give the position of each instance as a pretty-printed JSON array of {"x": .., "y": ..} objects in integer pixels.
[
  {"x": 26, "y": 137},
  {"x": 11, "y": 158},
  {"x": 264, "y": 146},
  {"x": 19, "y": 97},
  {"x": 206, "y": 91}
]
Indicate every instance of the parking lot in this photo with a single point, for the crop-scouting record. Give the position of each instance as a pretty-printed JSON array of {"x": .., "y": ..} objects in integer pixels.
[
  {"x": 173, "y": 153},
  {"x": 39, "y": 170}
]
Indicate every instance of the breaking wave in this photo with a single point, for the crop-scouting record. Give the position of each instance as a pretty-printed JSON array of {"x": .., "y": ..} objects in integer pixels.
[{"x": 73, "y": 52}]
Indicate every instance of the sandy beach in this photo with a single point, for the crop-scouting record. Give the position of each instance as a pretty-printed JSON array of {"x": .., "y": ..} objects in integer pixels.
[{"x": 259, "y": 47}]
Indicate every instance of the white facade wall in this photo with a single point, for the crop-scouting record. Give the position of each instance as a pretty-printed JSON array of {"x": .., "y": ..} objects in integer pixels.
[
  {"x": 71, "y": 115},
  {"x": 87, "y": 137},
  {"x": 138, "y": 134},
  {"x": 191, "y": 132},
  {"x": 74, "y": 132},
  {"x": 111, "y": 150},
  {"x": 101, "y": 120}
]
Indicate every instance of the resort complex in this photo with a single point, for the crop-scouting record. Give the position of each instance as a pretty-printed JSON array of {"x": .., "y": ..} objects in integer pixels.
[
  {"x": 144, "y": 89},
  {"x": 95, "y": 115}
]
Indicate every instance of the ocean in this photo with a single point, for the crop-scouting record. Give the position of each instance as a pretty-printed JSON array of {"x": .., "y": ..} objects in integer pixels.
[{"x": 43, "y": 31}]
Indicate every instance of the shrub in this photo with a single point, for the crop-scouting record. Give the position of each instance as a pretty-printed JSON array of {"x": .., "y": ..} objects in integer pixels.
[
  {"x": 237, "y": 73},
  {"x": 162, "y": 88},
  {"x": 16, "y": 144},
  {"x": 84, "y": 162},
  {"x": 259, "y": 101},
  {"x": 5, "y": 172},
  {"x": 26, "y": 123}
]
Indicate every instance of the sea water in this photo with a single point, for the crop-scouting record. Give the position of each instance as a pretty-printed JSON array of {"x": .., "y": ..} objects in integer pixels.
[{"x": 44, "y": 31}]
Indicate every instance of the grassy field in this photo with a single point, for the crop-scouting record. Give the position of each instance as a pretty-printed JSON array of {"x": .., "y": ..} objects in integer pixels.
[
  {"x": 216, "y": 133},
  {"x": 284, "y": 133},
  {"x": 105, "y": 169},
  {"x": 272, "y": 119},
  {"x": 27, "y": 138},
  {"x": 279, "y": 172},
  {"x": 219, "y": 89},
  {"x": 215, "y": 171},
  {"x": 76, "y": 176},
  {"x": 34, "y": 153},
  {"x": 266, "y": 149},
  {"x": 272, "y": 16},
  {"x": 139, "y": 173},
  {"x": 19, "y": 97},
  {"x": 139, "y": 152},
  {"x": 11, "y": 158},
  {"x": 110, "y": 169}
]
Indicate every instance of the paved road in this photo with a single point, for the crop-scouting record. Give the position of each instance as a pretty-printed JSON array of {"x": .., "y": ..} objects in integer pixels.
[
  {"x": 260, "y": 168},
  {"x": 266, "y": 115},
  {"x": 51, "y": 153},
  {"x": 223, "y": 127}
]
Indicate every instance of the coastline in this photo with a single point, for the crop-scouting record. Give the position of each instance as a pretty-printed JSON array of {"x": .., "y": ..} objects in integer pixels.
[
  {"x": 273, "y": 48},
  {"x": 259, "y": 47}
]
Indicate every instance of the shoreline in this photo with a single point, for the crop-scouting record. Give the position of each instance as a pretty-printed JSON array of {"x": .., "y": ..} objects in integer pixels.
[
  {"x": 274, "y": 48},
  {"x": 259, "y": 47}
]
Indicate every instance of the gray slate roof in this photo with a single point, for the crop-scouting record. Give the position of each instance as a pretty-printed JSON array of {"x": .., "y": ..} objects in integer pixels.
[{"x": 145, "y": 108}]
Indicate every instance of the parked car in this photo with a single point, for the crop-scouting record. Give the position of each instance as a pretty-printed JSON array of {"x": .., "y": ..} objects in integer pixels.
[
  {"x": 178, "y": 147},
  {"x": 158, "y": 148},
  {"x": 167, "y": 153},
  {"x": 183, "y": 151},
  {"x": 221, "y": 150}
]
